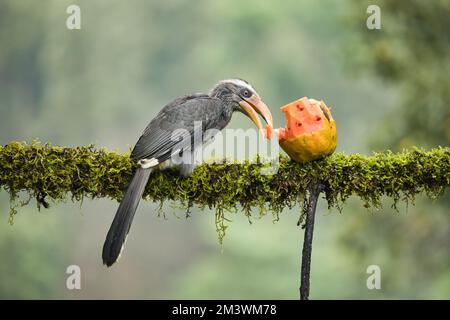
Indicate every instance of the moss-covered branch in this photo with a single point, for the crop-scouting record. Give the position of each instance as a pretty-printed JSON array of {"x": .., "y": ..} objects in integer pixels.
[{"x": 49, "y": 173}]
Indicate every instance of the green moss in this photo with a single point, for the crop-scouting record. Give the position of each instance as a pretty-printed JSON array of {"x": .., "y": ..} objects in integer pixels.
[{"x": 48, "y": 173}]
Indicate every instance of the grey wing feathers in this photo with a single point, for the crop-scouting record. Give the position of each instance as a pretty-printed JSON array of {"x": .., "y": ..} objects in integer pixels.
[{"x": 158, "y": 141}]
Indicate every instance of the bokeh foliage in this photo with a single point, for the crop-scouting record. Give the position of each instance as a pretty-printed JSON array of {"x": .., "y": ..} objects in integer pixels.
[{"x": 410, "y": 54}]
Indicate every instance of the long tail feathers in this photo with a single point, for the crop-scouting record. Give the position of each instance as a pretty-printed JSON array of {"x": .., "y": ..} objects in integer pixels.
[{"x": 121, "y": 224}]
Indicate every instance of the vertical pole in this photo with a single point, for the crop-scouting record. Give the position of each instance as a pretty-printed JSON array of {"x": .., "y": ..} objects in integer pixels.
[{"x": 314, "y": 191}]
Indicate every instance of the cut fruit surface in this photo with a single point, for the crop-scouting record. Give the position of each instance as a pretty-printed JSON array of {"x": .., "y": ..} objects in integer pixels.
[{"x": 310, "y": 132}]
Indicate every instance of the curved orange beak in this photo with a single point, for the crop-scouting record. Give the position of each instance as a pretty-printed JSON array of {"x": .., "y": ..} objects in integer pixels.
[{"x": 254, "y": 106}]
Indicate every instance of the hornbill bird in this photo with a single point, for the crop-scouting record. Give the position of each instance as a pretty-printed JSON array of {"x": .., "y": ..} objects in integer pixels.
[{"x": 157, "y": 145}]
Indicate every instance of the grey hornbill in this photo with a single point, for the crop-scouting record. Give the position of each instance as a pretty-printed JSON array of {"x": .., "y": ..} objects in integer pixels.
[{"x": 157, "y": 145}]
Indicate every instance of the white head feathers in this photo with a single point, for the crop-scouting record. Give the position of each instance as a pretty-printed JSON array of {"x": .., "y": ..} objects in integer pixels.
[{"x": 240, "y": 83}]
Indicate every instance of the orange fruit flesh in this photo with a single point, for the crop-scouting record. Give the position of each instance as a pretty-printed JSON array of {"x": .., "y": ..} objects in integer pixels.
[{"x": 310, "y": 132}]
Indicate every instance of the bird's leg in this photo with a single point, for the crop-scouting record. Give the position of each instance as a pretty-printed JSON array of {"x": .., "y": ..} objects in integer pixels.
[
  {"x": 190, "y": 159},
  {"x": 186, "y": 169}
]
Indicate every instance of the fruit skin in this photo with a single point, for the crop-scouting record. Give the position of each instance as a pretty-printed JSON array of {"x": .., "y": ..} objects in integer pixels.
[{"x": 310, "y": 132}]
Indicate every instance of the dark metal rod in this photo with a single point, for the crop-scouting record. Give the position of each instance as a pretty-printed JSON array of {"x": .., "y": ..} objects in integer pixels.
[{"x": 314, "y": 189}]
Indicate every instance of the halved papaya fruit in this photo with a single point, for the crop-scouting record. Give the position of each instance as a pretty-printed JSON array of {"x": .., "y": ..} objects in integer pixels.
[{"x": 310, "y": 132}]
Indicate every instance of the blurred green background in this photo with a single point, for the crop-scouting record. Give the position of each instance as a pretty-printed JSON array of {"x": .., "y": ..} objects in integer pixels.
[{"x": 389, "y": 89}]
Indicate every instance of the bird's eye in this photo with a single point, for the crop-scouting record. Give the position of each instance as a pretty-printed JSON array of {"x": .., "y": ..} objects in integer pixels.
[{"x": 246, "y": 93}]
